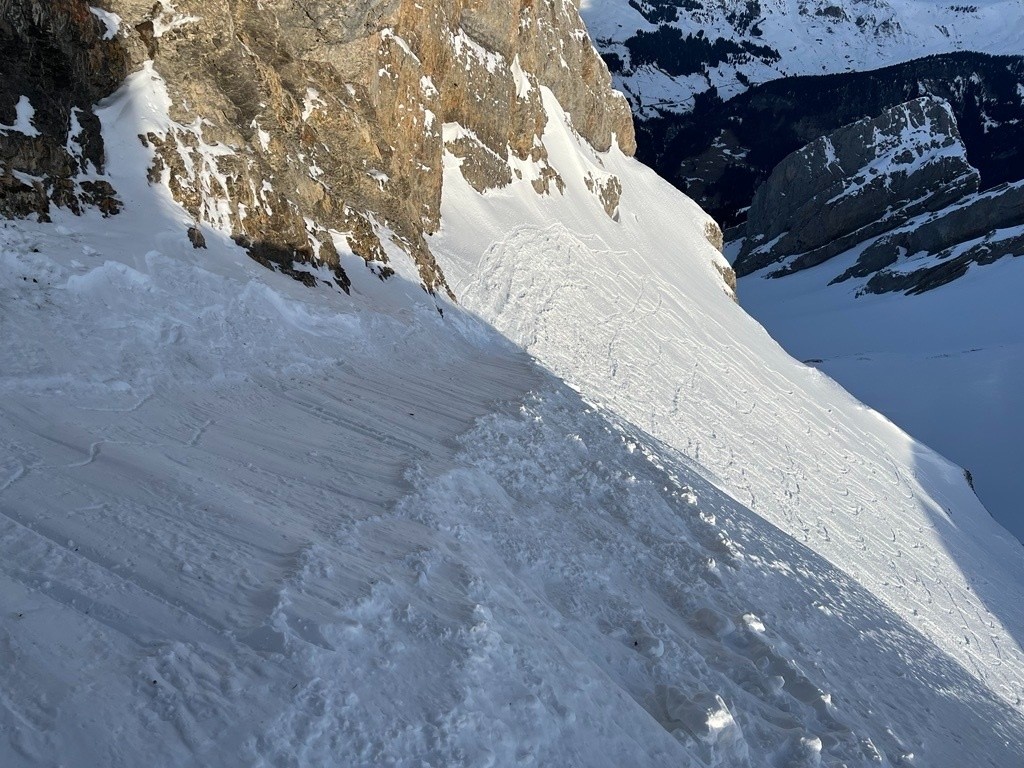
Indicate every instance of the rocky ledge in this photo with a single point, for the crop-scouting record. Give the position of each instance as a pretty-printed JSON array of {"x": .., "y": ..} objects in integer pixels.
[
  {"x": 300, "y": 128},
  {"x": 58, "y": 61},
  {"x": 897, "y": 190},
  {"x": 856, "y": 183}
]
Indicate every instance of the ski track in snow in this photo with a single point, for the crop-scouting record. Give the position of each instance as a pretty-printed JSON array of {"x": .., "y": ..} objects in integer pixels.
[
  {"x": 947, "y": 376},
  {"x": 630, "y": 362},
  {"x": 776, "y": 435}
]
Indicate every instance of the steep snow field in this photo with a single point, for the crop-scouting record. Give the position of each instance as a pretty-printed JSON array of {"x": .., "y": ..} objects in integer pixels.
[
  {"x": 806, "y": 37},
  {"x": 632, "y": 313},
  {"x": 249, "y": 523},
  {"x": 949, "y": 376}
]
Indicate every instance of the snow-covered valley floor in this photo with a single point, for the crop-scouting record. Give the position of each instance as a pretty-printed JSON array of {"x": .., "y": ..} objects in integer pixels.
[{"x": 249, "y": 523}]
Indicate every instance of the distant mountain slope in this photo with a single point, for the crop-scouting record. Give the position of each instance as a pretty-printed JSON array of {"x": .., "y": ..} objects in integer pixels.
[
  {"x": 896, "y": 190},
  {"x": 721, "y": 151},
  {"x": 664, "y": 53}
]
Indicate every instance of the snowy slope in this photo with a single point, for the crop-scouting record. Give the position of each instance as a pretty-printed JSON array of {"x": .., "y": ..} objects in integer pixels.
[
  {"x": 633, "y": 314},
  {"x": 249, "y": 523},
  {"x": 942, "y": 356},
  {"x": 946, "y": 365},
  {"x": 762, "y": 41}
]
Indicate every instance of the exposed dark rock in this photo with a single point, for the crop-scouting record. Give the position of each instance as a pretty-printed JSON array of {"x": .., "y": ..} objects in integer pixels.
[
  {"x": 722, "y": 151},
  {"x": 101, "y": 195},
  {"x": 279, "y": 258},
  {"x": 947, "y": 269},
  {"x": 856, "y": 183},
  {"x": 19, "y": 199},
  {"x": 977, "y": 218},
  {"x": 480, "y": 166},
  {"x": 679, "y": 55},
  {"x": 196, "y": 237},
  {"x": 609, "y": 191},
  {"x": 56, "y": 64}
]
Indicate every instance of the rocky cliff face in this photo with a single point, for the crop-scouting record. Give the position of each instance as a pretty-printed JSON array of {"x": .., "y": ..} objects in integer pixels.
[
  {"x": 899, "y": 189},
  {"x": 306, "y": 128},
  {"x": 720, "y": 152},
  {"x": 855, "y": 183},
  {"x": 58, "y": 61},
  {"x": 937, "y": 248}
]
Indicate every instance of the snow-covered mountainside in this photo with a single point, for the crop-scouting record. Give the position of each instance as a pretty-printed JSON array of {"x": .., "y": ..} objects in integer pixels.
[
  {"x": 605, "y": 520},
  {"x": 890, "y": 206},
  {"x": 722, "y": 151},
  {"x": 732, "y": 100},
  {"x": 246, "y": 522},
  {"x": 946, "y": 365},
  {"x": 664, "y": 351},
  {"x": 664, "y": 53}
]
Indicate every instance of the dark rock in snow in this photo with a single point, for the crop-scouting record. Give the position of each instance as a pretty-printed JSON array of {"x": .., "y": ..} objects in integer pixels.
[
  {"x": 196, "y": 237},
  {"x": 58, "y": 61},
  {"x": 856, "y": 183}
]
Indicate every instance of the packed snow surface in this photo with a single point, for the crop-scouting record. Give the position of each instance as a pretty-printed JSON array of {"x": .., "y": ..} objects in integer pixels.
[
  {"x": 249, "y": 523},
  {"x": 24, "y": 113}
]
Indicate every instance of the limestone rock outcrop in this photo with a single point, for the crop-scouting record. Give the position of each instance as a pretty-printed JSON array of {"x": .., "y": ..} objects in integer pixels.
[
  {"x": 899, "y": 189},
  {"x": 854, "y": 184},
  {"x": 935, "y": 249},
  {"x": 301, "y": 128}
]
